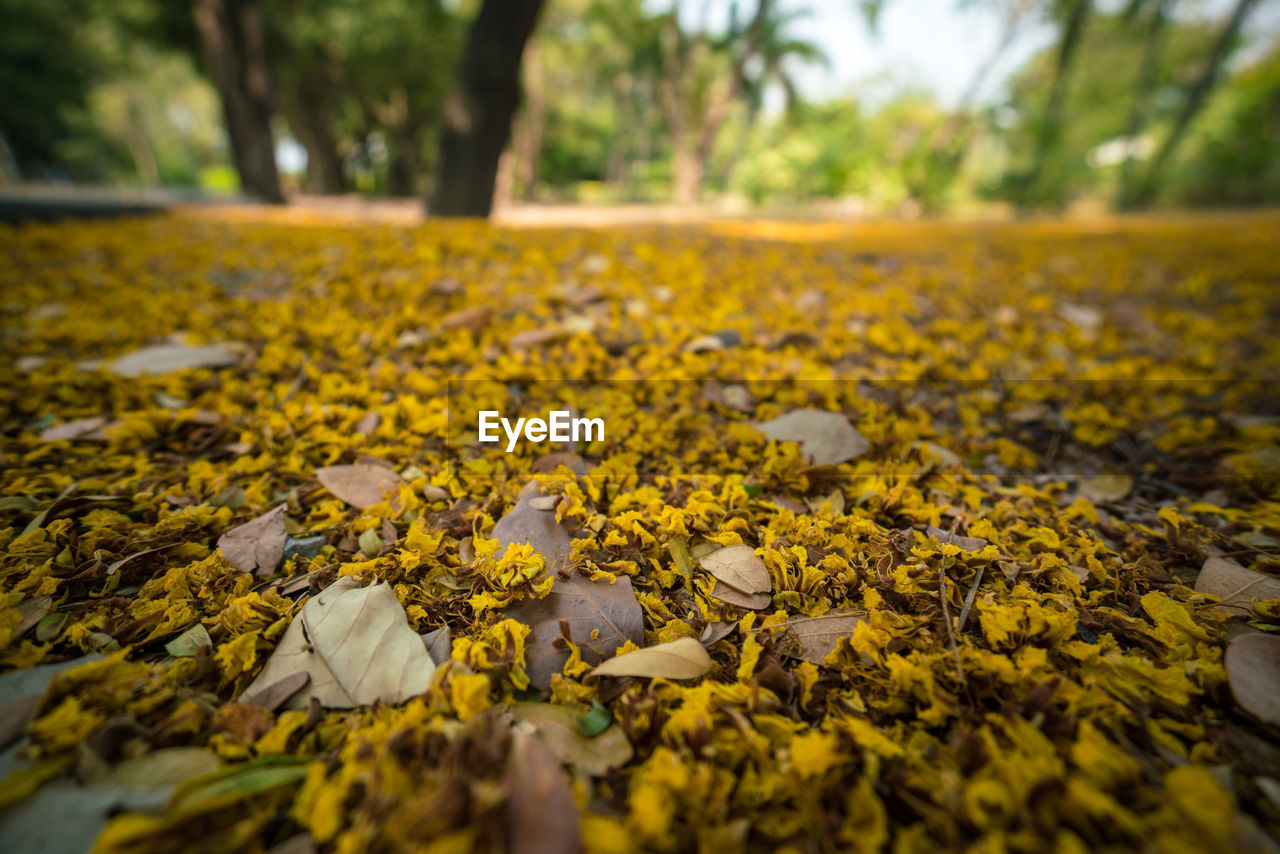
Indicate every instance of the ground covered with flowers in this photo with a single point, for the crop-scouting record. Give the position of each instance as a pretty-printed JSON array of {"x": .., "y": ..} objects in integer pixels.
[{"x": 995, "y": 617}]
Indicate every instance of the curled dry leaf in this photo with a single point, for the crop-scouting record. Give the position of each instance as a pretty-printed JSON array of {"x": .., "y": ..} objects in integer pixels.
[
  {"x": 969, "y": 544},
  {"x": 32, "y": 611},
  {"x": 542, "y": 816},
  {"x": 439, "y": 644},
  {"x": 258, "y": 545},
  {"x": 1253, "y": 671},
  {"x": 558, "y": 728},
  {"x": 826, "y": 438},
  {"x": 527, "y": 524},
  {"x": 679, "y": 659},
  {"x": 739, "y": 567},
  {"x": 357, "y": 647},
  {"x": 190, "y": 642},
  {"x": 818, "y": 636},
  {"x": 1237, "y": 586},
  {"x": 274, "y": 695},
  {"x": 369, "y": 423},
  {"x": 716, "y": 631},
  {"x": 544, "y": 502},
  {"x": 751, "y": 601},
  {"x": 473, "y": 319},
  {"x": 81, "y": 428},
  {"x": 361, "y": 485}
]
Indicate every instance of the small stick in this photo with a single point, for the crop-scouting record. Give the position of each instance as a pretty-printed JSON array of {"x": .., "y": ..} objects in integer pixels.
[
  {"x": 946, "y": 611},
  {"x": 969, "y": 599}
]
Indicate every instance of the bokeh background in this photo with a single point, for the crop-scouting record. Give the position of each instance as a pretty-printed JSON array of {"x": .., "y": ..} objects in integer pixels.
[{"x": 830, "y": 108}]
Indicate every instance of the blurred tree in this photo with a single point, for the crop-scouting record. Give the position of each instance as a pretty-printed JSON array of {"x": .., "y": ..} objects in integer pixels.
[
  {"x": 478, "y": 112},
  {"x": 232, "y": 42},
  {"x": 1196, "y": 96},
  {"x": 1157, "y": 12}
]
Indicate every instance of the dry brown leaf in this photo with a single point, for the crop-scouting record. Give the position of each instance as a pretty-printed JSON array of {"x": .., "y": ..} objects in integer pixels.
[
  {"x": 558, "y": 728},
  {"x": 716, "y": 631},
  {"x": 678, "y": 659},
  {"x": 526, "y": 524},
  {"x": 361, "y": 485},
  {"x": 274, "y": 695},
  {"x": 1237, "y": 586},
  {"x": 826, "y": 438},
  {"x": 1253, "y": 671},
  {"x": 258, "y": 545},
  {"x": 530, "y": 338},
  {"x": 81, "y": 428},
  {"x": 1105, "y": 488},
  {"x": 439, "y": 644},
  {"x": 969, "y": 544},
  {"x": 473, "y": 319},
  {"x": 369, "y": 423},
  {"x": 751, "y": 601},
  {"x": 739, "y": 567},
  {"x": 542, "y": 816},
  {"x": 14, "y": 717},
  {"x": 356, "y": 644},
  {"x": 544, "y": 502},
  {"x": 33, "y": 610},
  {"x": 549, "y": 463},
  {"x": 818, "y": 636}
]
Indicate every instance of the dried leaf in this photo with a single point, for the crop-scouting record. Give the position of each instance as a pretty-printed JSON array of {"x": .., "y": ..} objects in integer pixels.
[
  {"x": 166, "y": 358},
  {"x": 826, "y": 438},
  {"x": 473, "y": 319},
  {"x": 33, "y": 610},
  {"x": 751, "y": 601},
  {"x": 544, "y": 502},
  {"x": 739, "y": 567},
  {"x": 356, "y": 644},
  {"x": 370, "y": 543},
  {"x": 189, "y": 642},
  {"x": 1237, "y": 586},
  {"x": 526, "y": 524},
  {"x": 716, "y": 631},
  {"x": 818, "y": 636},
  {"x": 274, "y": 695},
  {"x": 679, "y": 659},
  {"x": 368, "y": 423},
  {"x": 257, "y": 546},
  {"x": 1253, "y": 671},
  {"x": 1105, "y": 488},
  {"x": 81, "y": 428},
  {"x": 542, "y": 816},
  {"x": 969, "y": 544},
  {"x": 558, "y": 728},
  {"x": 439, "y": 644},
  {"x": 361, "y": 485}
]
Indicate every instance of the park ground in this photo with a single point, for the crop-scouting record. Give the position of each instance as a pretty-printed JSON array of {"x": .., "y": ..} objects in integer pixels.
[{"x": 999, "y": 619}]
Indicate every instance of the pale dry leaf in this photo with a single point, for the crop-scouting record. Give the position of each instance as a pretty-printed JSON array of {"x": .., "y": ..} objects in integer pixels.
[
  {"x": 818, "y": 636},
  {"x": 530, "y": 338},
  {"x": 258, "y": 545},
  {"x": 361, "y": 485},
  {"x": 439, "y": 644},
  {"x": 170, "y": 766},
  {"x": 1238, "y": 587},
  {"x": 526, "y": 524},
  {"x": 969, "y": 544},
  {"x": 32, "y": 611},
  {"x": 369, "y": 423},
  {"x": 739, "y": 567},
  {"x": 274, "y": 695},
  {"x": 1106, "y": 488},
  {"x": 558, "y": 728},
  {"x": 473, "y": 319},
  {"x": 357, "y": 647},
  {"x": 542, "y": 815},
  {"x": 81, "y": 428},
  {"x": 1253, "y": 671},
  {"x": 435, "y": 493},
  {"x": 716, "y": 631},
  {"x": 751, "y": 601},
  {"x": 684, "y": 658},
  {"x": 544, "y": 502},
  {"x": 166, "y": 358},
  {"x": 190, "y": 642},
  {"x": 826, "y": 438}
]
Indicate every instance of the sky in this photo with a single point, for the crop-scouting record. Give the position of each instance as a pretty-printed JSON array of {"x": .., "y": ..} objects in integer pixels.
[{"x": 929, "y": 44}]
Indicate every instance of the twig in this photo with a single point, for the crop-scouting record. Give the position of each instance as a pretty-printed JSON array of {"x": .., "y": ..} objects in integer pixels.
[
  {"x": 946, "y": 616},
  {"x": 969, "y": 599}
]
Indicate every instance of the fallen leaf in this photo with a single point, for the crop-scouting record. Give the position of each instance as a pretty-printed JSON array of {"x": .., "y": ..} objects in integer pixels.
[
  {"x": 81, "y": 428},
  {"x": 115, "y": 566},
  {"x": 1105, "y": 488},
  {"x": 257, "y": 546},
  {"x": 835, "y": 499},
  {"x": 542, "y": 816},
  {"x": 1237, "y": 586},
  {"x": 473, "y": 319},
  {"x": 739, "y": 567},
  {"x": 189, "y": 642},
  {"x": 530, "y": 338},
  {"x": 678, "y": 659},
  {"x": 549, "y": 463},
  {"x": 369, "y": 423},
  {"x": 1253, "y": 671},
  {"x": 274, "y": 695},
  {"x": 170, "y": 766},
  {"x": 439, "y": 644},
  {"x": 716, "y": 631},
  {"x": 595, "y": 721},
  {"x": 166, "y": 358},
  {"x": 14, "y": 717},
  {"x": 526, "y": 524},
  {"x": 370, "y": 543},
  {"x": 361, "y": 485},
  {"x": 544, "y": 502},
  {"x": 818, "y": 636},
  {"x": 356, "y": 644},
  {"x": 751, "y": 601},
  {"x": 33, "y": 610},
  {"x": 969, "y": 544},
  {"x": 826, "y": 438},
  {"x": 558, "y": 728}
]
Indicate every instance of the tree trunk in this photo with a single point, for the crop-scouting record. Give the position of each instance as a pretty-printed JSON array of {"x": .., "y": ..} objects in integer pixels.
[
  {"x": 231, "y": 39},
  {"x": 687, "y": 170},
  {"x": 1142, "y": 94},
  {"x": 324, "y": 163},
  {"x": 1050, "y": 130},
  {"x": 1196, "y": 98},
  {"x": 529, "y": 143},
  {"x": 478, "y": 113}
]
